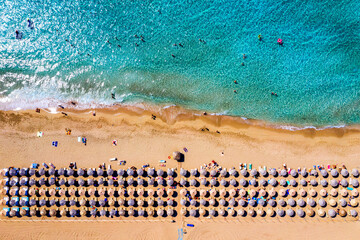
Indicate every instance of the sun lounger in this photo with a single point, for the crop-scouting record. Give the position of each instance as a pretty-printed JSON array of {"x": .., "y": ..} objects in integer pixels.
[
  {"x": 112, "y": 159},
  {"x": 54, "y": 143}
]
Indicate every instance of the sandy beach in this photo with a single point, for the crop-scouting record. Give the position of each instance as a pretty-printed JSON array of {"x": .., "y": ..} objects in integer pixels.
[{"x": 142, "y": 140}]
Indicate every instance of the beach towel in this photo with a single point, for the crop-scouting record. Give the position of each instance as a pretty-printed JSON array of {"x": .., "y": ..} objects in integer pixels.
[
  {"x": 55, "y": 143},
  {"x": 39, "y": 134}
]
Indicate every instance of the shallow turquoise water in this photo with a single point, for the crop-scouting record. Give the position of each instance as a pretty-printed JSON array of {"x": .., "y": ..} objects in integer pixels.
[{"x": 315, "y": 73}]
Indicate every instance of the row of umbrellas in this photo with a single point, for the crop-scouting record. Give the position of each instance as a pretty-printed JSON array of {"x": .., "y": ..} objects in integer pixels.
[
  {"x": 263, "y": 172},
  {"x": 12, "y": 172}
]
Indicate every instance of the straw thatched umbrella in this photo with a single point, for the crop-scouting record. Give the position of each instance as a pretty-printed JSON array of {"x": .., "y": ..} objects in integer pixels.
[
  {"x": 343, "y": 192},
  {"x": 91, "y": 191},
  {"x": 270, "y": 212},
  {"x": 170, "y": 172},
  {"x": 303, "y": 182},
  {"x": 71, "y": 192},
  {"x": 151, "y": 192},
  {"x": 140, "y": 192},
  {"x": 333, "y": 192},
  {"x": 43, "y": 212},
  {"x": 244, "y": 172},
  {"x": 353, "y": 213},
  {"x": 332, "y": 202},
  {"x": 223, "y": 192},
  {"x": 272, "y": 192},
  {"x": 241, "y": 212},
  {"x": 52, "y": 192},
  {"x": 253, "y": 193},
  {"x": 183, "y": 172},
  {"x": 140, "y": 202},
  {"x": 342, "y": 213},
  {"x": 83, "y": 212},
  {"x": 202, "y": 211},
  {"x": 122, "y": 212},
  {"x": 292, "y": 192},
  {"x": 322, "y": 202},
  {"x": 111, "y": 202},
  {"x": 310, "y": 212},
  {"x": 213, "y": 173},
  {"x": 290, "y": 213},
  {"x": 263, "y": 182},
  {"x": 232, "y": 192},
  {"x": 353, "y": 203},
  {"x": 42, "y": 192},
  {"x": 160, "y": 212},
  {"x": 23, "y": 212},
  {"x": 251, "y": 213},
  {"x": 82, "y": 202},
  {"x": 160, "y": 172},
  {"x": 261, "y": 213},
  {"x": 354, "y": 193},
  {"x": 160, "y": 192},
  {"x": 170, "y": 212},
  {"x": 311, "y": 202},
  {"x": 282, "y": 192},
  {"x": 355, "y": 172},
  {"x": 121, "y": 201},
  {"x": 282, "y": 202},
  {"x": 13, "y": 192},
  {"x": 222, "y": 212},
  {"x": 323, "y": 192},
  {"x": 242, "y": 192},
  {"x": 302, "y": 192},
  {"x": 312, "y": 192},
  {"x": 183, "y": 211}
]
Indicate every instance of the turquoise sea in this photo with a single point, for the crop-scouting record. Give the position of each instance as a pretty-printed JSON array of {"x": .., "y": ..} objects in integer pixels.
[{"x": 85, "y": 50}]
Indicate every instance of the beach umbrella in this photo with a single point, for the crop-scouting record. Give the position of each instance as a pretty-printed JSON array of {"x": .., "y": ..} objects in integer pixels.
[
  {"x": 263, "y": 182},
  {"x": 283, "y": 173},
  {"x": 32, "y": 202},
  {"x": 130, "y": 181},
  {"x": 273, "y": 182},
  {"x": 81, "y": 172},
  {"x": 312, "y": 193},
  {"x": 212, "y": 202},
  {"x": 203, "y": 172},
  {"x": 71, "y": 181},
  {"x": 151, "y": 172},
  {"x": 42, "y": 212},
  {"x": 193, "y": 192},
  {"x": 90, "y": 172},
  {"x": 290, "y": 213},
  {"x": 282, "y": 192},
  {"x": 22, "y": 202},
  {"x": 253, "y": 182},
  {"x": 344, "y": 173},
  {"x": 203, "y": 181},
  {"x": 322, "y": 202},
  {"x": 62, "y": 202},
  {"x": 183, "y": 202},
  {"x": 42, "y": 192},
  {"x": 160, "y": 172},
  {"x": 160, "y": 212},
  {"x": 102, "y": 212},
  {"x": 140, "y": 172},
  {"x": 344, "y": 183},
  {"x": 342, "y": 213},
  {"x": 310, "y": 212},
  {"x": 110, "y": 172},
  {"x": 131, "y": 202},
  {"x": 324, "y": 173},
  {"x": 93, "y": 212},
  {"x": 244, "y": 172},
  {"x": 121, "y": 182},
  {"x": 283, "y": 182},
  {"x": 183, "y": 192},
  {"x": 313, "y": 182},
  {"x": 233, "y": 182},
  {"x": 242, "y": 203},
  {"x": 333, "y": 192},
  {"x": 353, "y": 203},
  {"x": 23, "y": 181},
  {"x": 111, "y": 202},
  {"x": 223, "y": 172},
  {"x": 81, "y": 182},
  {"x": 254, "y": 172},
  {"x": 22, "y": 192},
  {"x": 51, "y": 181},
  {"x": 12, "y": 202},
  {"x": 122, "y": 212},
  {"x": 160, "y": 192},
  {"x": 170, "y": 212},
  {"x": 170, "y": 202},
  {"x": 301, "y": 202},
  {"x": 31, "y": 172},
  {"x": 213, "y": 182},
  {"x": 183, "y": 172},
  {"x": 90, "y": 182},
  {"x": 131, "y": 212},
  {"x": 194, "y": 172},
  {"x": 13, "y": 182},
  {"x": 282, "y": 203},
  {"x": 169, "y": 192},
  {"x": 100, "y": 172},
  {"x": 262, "y": 202},
  {"x": 263, "y": 172},
  {"x": 241, "y": 212},
  {"x": 293, "y": 182},
  {"x": 32, "y": 212},
  {"x": 70, "y": 172},
  {"x": 355, "y": 172},
  {"x": 82, "y": 202},
  {"x": 41, "y": 172},
  {"x": 233, "y": 172},
  {"x": 314, "y": 173},
  {"x": 41, "y": 182},
  {"x": 23, "y": 212},
  {"x": 32, "y": 182},
  {"x": 270, "y": 212},
  {"x": 303, "y": 182},
  {"x": 120, "y": 172},
  {"x": 100, "y": 181},
  {"x": 354, "y": 183},
  {"x": 202, "y": 211},
  {"x": 51, "y": 171},
  {"x": 232, "y": 192},
  {"x": 73, "y": 212},
  {"x": 251, "y": 213},
  {"x": 272, "y": 203},
  {"x": 343, "y": 202},
  {"x": 61, "y": 182},
  {"x": 334, "y": 173},
  {"x": 170, "y": 172},
  {"x": 151, "y": 181},
  {"x": 334, "y": 183},
  {"x": 61, "y": 172},
  {"x": 243, "y": 182},
  {"x": 13, "y": 191},
  {"x": 102, "y": 202},
  {"x": 160, "y": 181},
  {"x": 193, "y": 202},
  {"x": 260, "y": 212},
  {"x": 324, "y": 183},
  {"x": 91, "y": 191},
  {"x": 121, "y": 202},
  {"x": 193, "y": 182},
  {"x": 203, "y": 192},
  {"x": 222, "y": 212},
  {"x": 212, "y": 212},
  {"x": 273, "y": 172},
  {"x": 232, "y": 202},
  {"x": 253, "y": 193},
  {"x": 323, "y": 192},
  {"x": 223, "y": 182},
  {"x": 183, "y": 182},
  {"x": 302, "y": 192},
  {"x": 332, "y": 213},
  {"x": 291, "y": 202},
  {"x": 140, "y": 181},
  {"x": 300, "y": 213},
  {"x": 222, "y": 202},
  {"x": 293, "y": 173},
  {"x": 354, "y": 193},
  {"x": 130, "y": 172},
  {"x": 252, "y": 203},
  {"x": 131, "y": 191},
  {"x": 353, "y": 213},
  {"x": 22, "y": 172}
]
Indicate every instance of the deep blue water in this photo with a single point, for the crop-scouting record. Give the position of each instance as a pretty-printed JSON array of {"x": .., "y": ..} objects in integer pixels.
[{"x": 315, "y": 73}]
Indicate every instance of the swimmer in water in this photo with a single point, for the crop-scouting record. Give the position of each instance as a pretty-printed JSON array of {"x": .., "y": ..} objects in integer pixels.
[
  {"x": 259, "y": 37},
  {"x": 18, "y": 35},
  {"x": 181, "y": 45},
  {"x": 119, "y": 46},
  {"x": 173, "y": 55},
  {"x": 235, "y": 82},
  {"x": 30, "y": 23},
  {"x": 244, "y": 56},
  {"x": 235, "y": 91},
  {"x": 136, "y": 44},
  {"x": 242, "y": 64}
]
